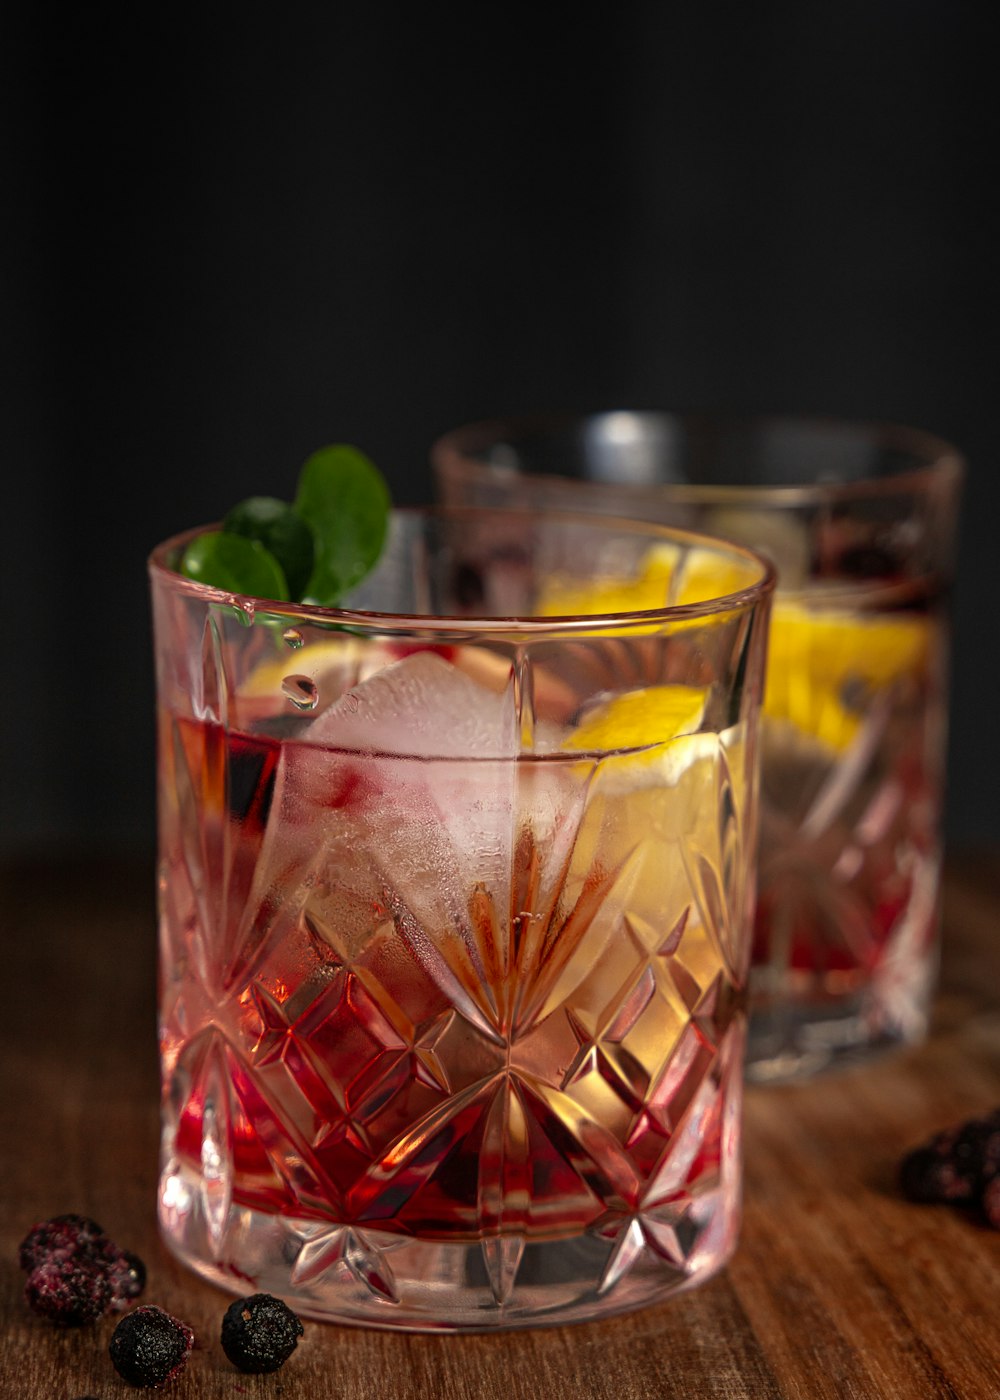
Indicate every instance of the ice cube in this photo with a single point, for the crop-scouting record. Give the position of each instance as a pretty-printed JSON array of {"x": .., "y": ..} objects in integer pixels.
[
  {"x": 450, "y": 819},
  {"x": 410, "y": 794},
  {"x": 407, "y": 781},
  {"x": 423, "y": 707}
]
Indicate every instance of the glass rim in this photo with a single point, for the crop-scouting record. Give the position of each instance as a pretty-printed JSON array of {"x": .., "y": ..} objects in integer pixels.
[
  {"x": 534, "y": 624},
  {"x": 934, "y": 458}
]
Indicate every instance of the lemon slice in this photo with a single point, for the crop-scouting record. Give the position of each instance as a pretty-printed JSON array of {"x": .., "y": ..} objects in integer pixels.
[
  {"x": 708, "y": 575},
  {"x": 563, "y": 595},
  {"x": 639, "y": 719},
  {"x": 823, "y": 667},
  {"x": 668, "y": 576}
]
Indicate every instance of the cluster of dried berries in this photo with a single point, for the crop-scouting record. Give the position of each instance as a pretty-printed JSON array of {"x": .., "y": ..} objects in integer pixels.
[
  {"x": 960, "y": 1166},
  {"x": 76, "y": 1273}
]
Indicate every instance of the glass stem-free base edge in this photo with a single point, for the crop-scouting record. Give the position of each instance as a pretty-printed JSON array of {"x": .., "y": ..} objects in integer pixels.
[
  {"x": 803, "y": 1027},
  {"x": 370, "y": 1278},
  {"x": 809, "y": 1045},
  {"x": 797, "y": 1037}
]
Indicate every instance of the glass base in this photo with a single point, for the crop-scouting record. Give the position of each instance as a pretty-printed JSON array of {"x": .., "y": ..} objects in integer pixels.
[
  {"x": 802, "y": 1024},
  {"x": 371, "y": 1278},
  {"x": 801, "y": 1039}
]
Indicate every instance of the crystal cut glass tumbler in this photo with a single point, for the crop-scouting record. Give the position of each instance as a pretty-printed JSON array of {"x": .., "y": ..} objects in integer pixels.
[
  {"x": 860, "y": 522},
  {"x": 455, "y": 893}
]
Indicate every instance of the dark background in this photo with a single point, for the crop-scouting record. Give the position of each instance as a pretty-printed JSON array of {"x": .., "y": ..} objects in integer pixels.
[{"x": 228, "y": 242}]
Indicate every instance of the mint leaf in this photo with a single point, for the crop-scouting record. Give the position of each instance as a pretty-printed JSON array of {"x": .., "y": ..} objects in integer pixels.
[
  {"x": 234, "y": 564},
  {"x": 282, "y": 531},
  {"x": 344, "y": 499}
]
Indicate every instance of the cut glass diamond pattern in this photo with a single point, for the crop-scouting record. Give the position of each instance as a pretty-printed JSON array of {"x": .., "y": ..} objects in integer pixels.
[
  {"x": 327, "y": 1250},
  {"x": 498, "y": 1061}
]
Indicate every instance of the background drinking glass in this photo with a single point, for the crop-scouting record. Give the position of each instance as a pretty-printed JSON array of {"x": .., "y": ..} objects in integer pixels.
[
  {"x": 860, "y": 521},
  {"x": 455, "y": 917}
]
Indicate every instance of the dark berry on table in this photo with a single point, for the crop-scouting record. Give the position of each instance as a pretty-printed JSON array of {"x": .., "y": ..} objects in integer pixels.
[
  {"x": 976, "y": 1148},
  {"x": 955, "y": 1165},
  {"x": 149, "y": 1347},
  {"x": 930, "y": 1176},
  {"x": 127, "y": 1276},
  {"x": 69, "y": 1290},
  {"x": 63, "y": 1234},
  {"x": 990, "y": 1202},
  {"x": 260, "y": 1333},
  {"x": 76, "y": 1237}
]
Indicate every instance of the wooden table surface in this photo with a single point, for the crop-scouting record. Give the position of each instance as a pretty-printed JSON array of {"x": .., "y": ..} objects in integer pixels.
[{"x": 839, "y": 1287}]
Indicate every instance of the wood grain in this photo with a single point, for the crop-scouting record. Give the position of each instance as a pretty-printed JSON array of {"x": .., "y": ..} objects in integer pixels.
[{"x": 839, "y": 1289}]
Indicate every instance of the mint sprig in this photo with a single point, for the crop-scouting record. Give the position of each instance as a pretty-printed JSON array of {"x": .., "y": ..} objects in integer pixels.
[
  {"x": 314, "y": 550},
  {"x": 276, "y": 525},
  {"x": 345, "y": 500},
  {"x": 235, "y": 564}
]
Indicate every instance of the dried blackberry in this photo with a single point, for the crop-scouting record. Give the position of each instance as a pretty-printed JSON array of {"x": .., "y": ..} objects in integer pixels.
[
  {"x": 930, "y": 1175},
  {"x": 127, "y": 1276},
  {"x": 956, "y": 1166},
  {"x": 990, "y": 1202},
  {"x": 149, "y": 1347},
  {"x": 976, "y": 1148},
  {"x": 260, "y": 1333},
  {"x": 67, "y": 1238},
  {"x": 63, "y": 1234},
  {"x": 69, "y": 1290}
]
